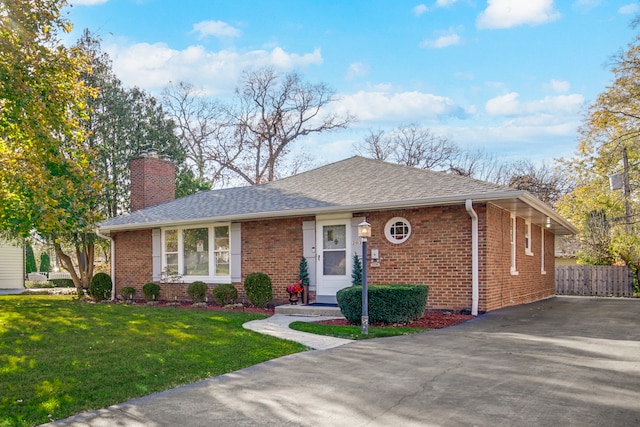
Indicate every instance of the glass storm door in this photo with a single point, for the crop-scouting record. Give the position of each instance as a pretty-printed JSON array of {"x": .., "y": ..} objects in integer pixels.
[{"x": 334, "y": 258}]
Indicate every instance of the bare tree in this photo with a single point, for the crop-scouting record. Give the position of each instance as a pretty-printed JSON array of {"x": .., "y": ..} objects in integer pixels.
[
  {"x": 201, "y": 125},
  {"x": 273, "y": 110},
  {"x": 376, "y": 146},
  {"x": 410, "y": 145}
]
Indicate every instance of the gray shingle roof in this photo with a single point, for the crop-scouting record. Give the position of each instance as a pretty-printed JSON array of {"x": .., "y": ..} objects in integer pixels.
[{"x": 353, "y": 184}]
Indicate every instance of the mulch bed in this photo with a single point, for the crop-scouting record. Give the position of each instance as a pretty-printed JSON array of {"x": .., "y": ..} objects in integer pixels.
[{"x": 430, "y": 320}]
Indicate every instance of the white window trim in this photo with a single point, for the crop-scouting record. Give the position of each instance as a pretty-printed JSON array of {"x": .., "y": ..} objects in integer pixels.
[
  {"x": 514, "y": 227},
  {"x": 542, "y": 269},
  {"x": 528, "y": 238},
  {"x": 211, "y": 278},
  {"x": 387, "y": 230}
]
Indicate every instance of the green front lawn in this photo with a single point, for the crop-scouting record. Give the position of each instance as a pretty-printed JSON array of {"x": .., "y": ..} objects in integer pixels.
[
  {"x": 59, "y": 356},
  {"x": 352, "y": 332}
]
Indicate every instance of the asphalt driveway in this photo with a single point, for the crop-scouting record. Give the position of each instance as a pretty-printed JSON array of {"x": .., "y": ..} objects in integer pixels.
[{"x": 559, "y": 362}]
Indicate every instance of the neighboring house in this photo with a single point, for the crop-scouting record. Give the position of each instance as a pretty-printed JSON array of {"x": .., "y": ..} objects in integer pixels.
[
  {"x": 11, "y": 266},
  {"x": 478, "y": 246}
]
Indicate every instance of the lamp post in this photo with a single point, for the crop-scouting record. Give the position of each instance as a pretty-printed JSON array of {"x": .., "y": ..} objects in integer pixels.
[{"x": 364, "y": 231}]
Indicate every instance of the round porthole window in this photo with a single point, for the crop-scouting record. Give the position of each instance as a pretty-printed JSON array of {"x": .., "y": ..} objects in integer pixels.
[{"x": 397, "y": 230}]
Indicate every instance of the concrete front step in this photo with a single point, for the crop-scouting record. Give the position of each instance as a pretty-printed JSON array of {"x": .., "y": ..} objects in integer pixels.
[{"x": 309, "y": 310}]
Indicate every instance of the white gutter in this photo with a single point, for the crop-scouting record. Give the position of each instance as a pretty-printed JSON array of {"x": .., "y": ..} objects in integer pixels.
[
  {"x": 475, "y": 287},
  {"x": 113, "y": 262}
]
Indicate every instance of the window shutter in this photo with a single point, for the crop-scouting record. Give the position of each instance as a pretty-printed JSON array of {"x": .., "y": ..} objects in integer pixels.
[
  {"x": 235, "y": 235},
  {"x": 309, "y": 250},
  {"x": 156, "y": 254}
]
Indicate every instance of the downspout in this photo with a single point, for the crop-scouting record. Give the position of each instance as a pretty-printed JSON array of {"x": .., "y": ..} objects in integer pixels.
[
  {"x": 475, "y": 287},
  {"x": 113, "y": 262}
]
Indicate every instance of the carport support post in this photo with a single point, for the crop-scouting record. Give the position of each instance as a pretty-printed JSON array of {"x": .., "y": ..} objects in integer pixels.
[{"x": 364, "y": 231}]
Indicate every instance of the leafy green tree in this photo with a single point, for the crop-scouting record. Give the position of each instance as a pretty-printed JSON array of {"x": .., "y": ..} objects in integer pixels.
[
  {"x": 608, "y": 147},
  {"x": 123, "y": 122},
  {"x": 46, "y": 182}
]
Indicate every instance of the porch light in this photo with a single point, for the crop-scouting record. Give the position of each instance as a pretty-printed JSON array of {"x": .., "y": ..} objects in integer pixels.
[{"x": 364, "y": 231}]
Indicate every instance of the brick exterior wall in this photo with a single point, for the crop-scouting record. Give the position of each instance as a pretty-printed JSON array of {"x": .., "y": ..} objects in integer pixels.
[
  {"x": 438, "y": 254},
  {"x": 153, "y": 181}
]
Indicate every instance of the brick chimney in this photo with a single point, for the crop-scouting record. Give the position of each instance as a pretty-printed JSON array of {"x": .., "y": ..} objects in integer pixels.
[{"x": 153, "y": 180}]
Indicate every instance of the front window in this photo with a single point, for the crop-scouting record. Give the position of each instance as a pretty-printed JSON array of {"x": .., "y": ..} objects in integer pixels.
[{"x": 198, "y": 252}]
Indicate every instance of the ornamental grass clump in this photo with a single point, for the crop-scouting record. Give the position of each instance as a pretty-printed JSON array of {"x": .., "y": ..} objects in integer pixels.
[
  {"x": 225, "y": 294},
  {"x": 387, "y": 303},
  {"x": 197, "y": 291},
  {"x": 259, "y": 289}
]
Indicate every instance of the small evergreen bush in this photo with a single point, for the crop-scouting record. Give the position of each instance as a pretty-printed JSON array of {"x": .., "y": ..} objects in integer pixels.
[
  {"x": 259, "y": 289},
  {"x": 387, "y": 303},
  {"x": 151, "y": 291},
  {"x": 100, "y": 286},
  {"x": 197, "y": 291},
  {"x": 30, "y": 260},
  {"x": 225, "y": 294},
  {"x": 356, "y": 276},
  {"x": 127, "y": 292}
]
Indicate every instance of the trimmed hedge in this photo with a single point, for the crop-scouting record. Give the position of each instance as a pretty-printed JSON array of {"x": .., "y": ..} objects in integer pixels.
[
  {"x": 197, "y": 291},
  {"x": 387, "y": 303},
  {"x": 62, "y": 283},
  {"x": 151, "y": 291},
  {"x": 259, "y": 289},
  {"x": 225, "y": 294},
  {"x": 100, "y": 286}
]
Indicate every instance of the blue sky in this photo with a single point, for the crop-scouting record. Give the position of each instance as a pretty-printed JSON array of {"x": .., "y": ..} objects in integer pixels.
[{"x": 510, "y": 76}]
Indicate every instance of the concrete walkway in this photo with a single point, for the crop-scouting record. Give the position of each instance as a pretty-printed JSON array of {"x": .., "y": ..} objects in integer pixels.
[
  {"x": 558, "y": 362},
  {"x": 278, "y": 326}
]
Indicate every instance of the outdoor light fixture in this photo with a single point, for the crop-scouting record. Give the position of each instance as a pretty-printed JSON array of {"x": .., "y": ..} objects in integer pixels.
[
  {"x": 548, "y": 223},
  {"x": 364, "y": 231}
]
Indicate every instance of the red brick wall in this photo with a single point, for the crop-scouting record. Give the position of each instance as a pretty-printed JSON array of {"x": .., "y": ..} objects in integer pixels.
[
  {"x": 438, "y": 254},
  {"x": 133, "y": 260},
  {"x": 152, "y": 182},
  {"x": 499, "y": 288},
  {"x": 273, "y": 247}
]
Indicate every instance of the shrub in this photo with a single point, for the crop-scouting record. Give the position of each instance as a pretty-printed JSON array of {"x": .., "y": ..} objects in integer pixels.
[
  {"x": 258, "y": 288},
  {"x": 225, "y": 294},
  {"x": 151, "y": 291},
  {"x": 62, "y": 283},
  {"x": 45, "y": 262},
  {"x": 100, "y": 286},
  {"x": 197, "y": 291},
  {"x": 127, "y": 292},
  {"x": 30, "y": 260},
  {"x": 387, "y": 303}
]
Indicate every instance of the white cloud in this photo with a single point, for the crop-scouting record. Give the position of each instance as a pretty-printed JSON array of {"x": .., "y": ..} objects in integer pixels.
[
  {"x": 87, "y": 2},
  {"x": 420, "y": 9},
  {"x": 386, "y": 106},
  {"x": 152, "y": 66},
  {"x": 445, "y": 3},
  {"x": 357, "y": 69},
  {"x": 216, "y": 29},
  {"x": 510, "y": 105},
  {"x": 509, "y": 13},
  {"x": 559, "y": 86},
  {"x": 442, "y": 41},
  {"x": 629, "y": 9}
]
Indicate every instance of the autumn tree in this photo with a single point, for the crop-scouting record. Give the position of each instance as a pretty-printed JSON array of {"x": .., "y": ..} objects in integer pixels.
[
  {"x": 46, "y": 184},
  {"x": 609, "y": 147}
]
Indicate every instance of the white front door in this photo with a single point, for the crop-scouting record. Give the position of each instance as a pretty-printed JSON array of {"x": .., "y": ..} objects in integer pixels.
[{"x": 333, "y": 257}]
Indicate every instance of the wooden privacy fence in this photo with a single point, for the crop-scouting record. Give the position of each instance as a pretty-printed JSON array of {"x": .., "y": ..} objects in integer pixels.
[{"x": 600, "y": 280}]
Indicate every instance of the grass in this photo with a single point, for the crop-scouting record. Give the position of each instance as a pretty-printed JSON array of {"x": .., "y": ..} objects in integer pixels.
[
  {"x": 60, "y": 356},
  {"x": 352, "y": 332}
]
